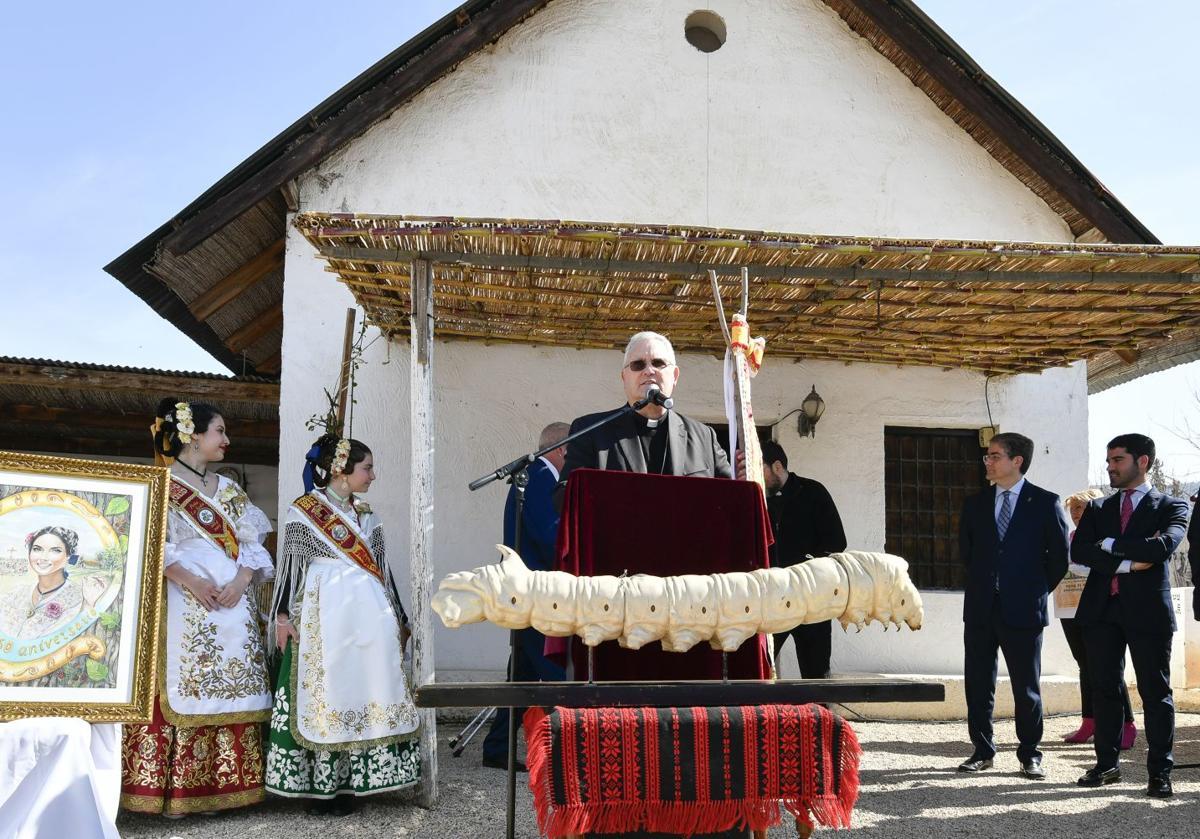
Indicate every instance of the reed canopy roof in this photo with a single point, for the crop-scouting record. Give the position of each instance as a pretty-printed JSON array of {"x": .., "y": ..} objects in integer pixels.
[
  {"x": 993, "y": 307},
  {"x": 82, "y": 409}
]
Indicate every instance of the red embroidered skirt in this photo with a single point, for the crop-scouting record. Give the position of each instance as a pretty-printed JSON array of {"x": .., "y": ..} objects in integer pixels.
[
  {"x": 689, "y": 770},
  {"x": 174, "y": 770}
]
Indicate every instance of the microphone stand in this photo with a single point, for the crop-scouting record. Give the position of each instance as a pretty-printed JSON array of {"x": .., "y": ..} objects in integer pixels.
[
  {"x": 520, "y": 479},
  {"x": 525, "y": 460}
]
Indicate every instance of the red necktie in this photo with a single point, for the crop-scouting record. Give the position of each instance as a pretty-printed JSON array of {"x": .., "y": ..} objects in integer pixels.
[
  {"x": 1126, "y": 509},
  {"x": 1126, "y": 515}
]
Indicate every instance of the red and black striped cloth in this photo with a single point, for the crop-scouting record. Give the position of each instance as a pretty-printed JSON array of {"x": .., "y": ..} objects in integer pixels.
[{"x": 689, "y": 770}]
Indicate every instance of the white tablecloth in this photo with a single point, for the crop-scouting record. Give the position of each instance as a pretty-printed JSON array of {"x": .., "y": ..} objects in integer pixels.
[{"x": 59, "y": 778}]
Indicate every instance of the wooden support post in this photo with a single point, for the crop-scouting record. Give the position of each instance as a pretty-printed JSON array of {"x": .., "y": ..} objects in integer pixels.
[
  {"x": 344, "y": 371},
  {"x": 420, "y": 502}
]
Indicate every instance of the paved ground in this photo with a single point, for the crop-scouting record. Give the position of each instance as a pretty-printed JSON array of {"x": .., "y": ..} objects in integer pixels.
[{"x": 909, "y": 789}]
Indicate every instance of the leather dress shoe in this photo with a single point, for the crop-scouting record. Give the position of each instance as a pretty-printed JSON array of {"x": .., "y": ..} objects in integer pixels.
[
  {"x": 500, "y": 763},
  {"x": 1097, "y": 777},
  {"x": 975, "y": 764},
  {"x": 1160, "y": 786},
  {"x": 1032, "y": 768}
]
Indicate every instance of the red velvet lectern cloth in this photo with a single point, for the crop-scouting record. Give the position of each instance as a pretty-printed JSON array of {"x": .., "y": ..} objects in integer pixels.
[{"x": 618, "y": 522}]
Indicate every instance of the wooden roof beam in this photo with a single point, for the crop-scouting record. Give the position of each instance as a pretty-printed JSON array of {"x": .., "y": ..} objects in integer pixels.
[
  {"x": 75, "y": 378},
  {"x": 385, "y": 256},
  {"x": 272, "y": 364},
  {"x": 229, "y": 287},
  {"x": 263, "y": 323},
  {"x": 44, "y": 415}
]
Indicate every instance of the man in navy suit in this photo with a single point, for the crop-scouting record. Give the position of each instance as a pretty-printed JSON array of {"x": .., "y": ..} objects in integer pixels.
[
  {"x": 1127, "y": 540},
  {"x": 1013, "y": 541},
  {"x": 539, "y": 533}
]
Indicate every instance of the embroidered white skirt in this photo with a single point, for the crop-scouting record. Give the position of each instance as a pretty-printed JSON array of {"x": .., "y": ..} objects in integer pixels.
[{"x": 348, "y": 681}]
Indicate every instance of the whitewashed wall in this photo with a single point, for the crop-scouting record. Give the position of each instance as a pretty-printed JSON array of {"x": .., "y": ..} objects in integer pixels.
[{"x": 597, "y": 110}]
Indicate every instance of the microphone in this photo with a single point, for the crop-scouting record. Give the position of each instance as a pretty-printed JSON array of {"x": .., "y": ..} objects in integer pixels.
[{"x": 655, "y": 396}]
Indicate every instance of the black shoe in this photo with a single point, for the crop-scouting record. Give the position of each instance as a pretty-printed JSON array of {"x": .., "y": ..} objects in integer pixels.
[
  {"x": 343, "y": 805},
  {"x": 1097, "y": 777},
  {"x": 1032, "y": 769},
  {"x": 500, "y": 763},
  {"x": 975, "y": 764},
  {"x": 320, "y": 807},
  {"x": 1160, "y": 786}
]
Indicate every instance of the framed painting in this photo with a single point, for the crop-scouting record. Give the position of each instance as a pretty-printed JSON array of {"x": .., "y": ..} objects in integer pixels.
[{"x": 81, "y": 561}]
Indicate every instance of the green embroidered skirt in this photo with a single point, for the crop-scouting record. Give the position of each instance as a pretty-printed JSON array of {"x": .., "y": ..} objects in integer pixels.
[{"x": 297, "y": 772}]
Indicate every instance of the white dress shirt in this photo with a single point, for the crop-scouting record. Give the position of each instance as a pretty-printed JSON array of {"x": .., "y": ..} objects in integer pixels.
[
  {"x": 552, "y": 467},
  {"x": 1015, "y": 489},
  {"x": 1138, "y": 492}
]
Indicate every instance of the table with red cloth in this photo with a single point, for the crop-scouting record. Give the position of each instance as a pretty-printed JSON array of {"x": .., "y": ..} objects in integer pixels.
[
  {"x": 622, "y": 522},
  {"x": 689, "y": 770}
]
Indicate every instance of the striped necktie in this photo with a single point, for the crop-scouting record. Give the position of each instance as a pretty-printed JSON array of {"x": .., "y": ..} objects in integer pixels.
[{"x": 1005, "y": 514}]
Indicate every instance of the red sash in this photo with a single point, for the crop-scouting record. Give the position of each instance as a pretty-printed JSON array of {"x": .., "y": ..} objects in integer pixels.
[
  {"x": 204, "y": 517},
  {"x": 337, "y": 532}
]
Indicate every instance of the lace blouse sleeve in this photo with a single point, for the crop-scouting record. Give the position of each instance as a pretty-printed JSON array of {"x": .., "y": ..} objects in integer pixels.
[
  {"x": 254, "y": 525},
  {"x": 379, "y": 549},
  {"x": 177, "y": 531},
  {"x": 252, "y": 528}
]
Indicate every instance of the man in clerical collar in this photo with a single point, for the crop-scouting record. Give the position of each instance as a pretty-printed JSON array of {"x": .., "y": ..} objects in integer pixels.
[
  {"x": 653, "y": 440},
  {"x": 806, "y": 525}
]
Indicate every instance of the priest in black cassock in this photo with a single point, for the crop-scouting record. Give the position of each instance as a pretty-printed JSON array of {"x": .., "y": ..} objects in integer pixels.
[{"x": 654, "y": 440}]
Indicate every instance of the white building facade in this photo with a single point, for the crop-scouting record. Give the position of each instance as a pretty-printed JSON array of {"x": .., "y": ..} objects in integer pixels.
[{"x": 602, "y": 111}]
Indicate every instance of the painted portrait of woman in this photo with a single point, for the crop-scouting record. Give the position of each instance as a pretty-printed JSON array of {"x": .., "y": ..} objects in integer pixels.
[{"x": 55, "y": 599}]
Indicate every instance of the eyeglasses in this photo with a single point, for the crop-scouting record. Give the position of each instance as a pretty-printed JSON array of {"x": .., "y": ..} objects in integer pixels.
[
  {"x": 639, "y": 364},
  {"x": 993, "y": 458}
]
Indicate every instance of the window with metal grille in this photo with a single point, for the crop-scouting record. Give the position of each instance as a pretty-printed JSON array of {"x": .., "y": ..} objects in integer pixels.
[{"x": 928, "y": 472}]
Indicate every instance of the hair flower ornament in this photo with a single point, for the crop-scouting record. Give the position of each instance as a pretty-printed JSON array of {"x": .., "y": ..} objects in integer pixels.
[
  {"x": 340, "y": 455},
  {"x": 184, "y": 425}
]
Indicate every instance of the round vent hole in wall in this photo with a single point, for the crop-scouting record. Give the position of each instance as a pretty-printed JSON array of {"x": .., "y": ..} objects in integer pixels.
[{"x": 704, "y": 30}]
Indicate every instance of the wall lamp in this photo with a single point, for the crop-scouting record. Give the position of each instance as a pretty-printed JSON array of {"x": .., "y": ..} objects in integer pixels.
[{"x": 811, "y": 410}]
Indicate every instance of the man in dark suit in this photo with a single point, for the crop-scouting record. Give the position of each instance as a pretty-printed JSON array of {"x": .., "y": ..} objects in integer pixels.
[
  {"x": 652, "y": 440},
  {"x": 806, "y": 525},
  {"x": 1127, "y": 541},
  {"x": 539, "y": 533},
  {"x": 1013, "y": 541}
]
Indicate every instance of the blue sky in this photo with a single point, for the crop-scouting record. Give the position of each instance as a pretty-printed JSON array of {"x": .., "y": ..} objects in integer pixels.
[{"x": 120, "y": 114}]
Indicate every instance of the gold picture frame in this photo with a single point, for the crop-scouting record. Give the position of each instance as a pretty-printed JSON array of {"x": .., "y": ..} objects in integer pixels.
[{"x": 81, "y": 583}]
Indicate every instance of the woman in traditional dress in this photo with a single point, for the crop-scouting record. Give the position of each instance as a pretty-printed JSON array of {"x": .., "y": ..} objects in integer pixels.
[
  {"x": 344, "y": 724},
  {"x": 203, "y": 750},
  {"x": 55, "y": 599}
]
